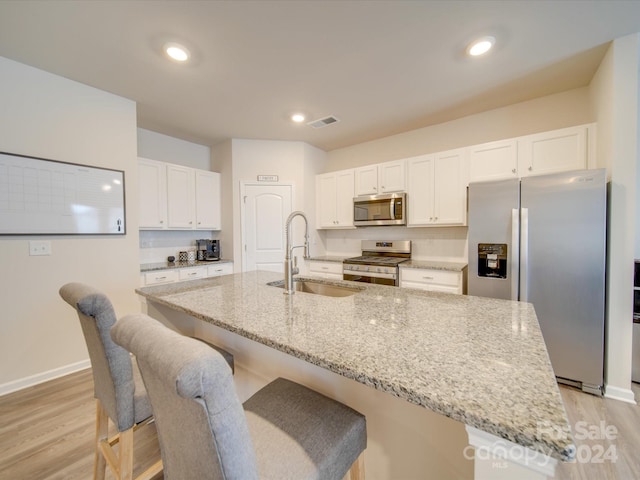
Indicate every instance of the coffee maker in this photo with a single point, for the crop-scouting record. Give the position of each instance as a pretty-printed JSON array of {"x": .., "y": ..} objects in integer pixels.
[{"x": 208, "y": 250}]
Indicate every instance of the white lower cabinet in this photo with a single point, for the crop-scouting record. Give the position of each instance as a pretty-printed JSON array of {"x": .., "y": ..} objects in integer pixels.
[
  {"x": 326, "y": 269},
  {"x": 432, "y": 280},
  {"x": 159, "y": 277},
  {"x": 220, "y": 269},
  {"x": 192, "y": 273}
]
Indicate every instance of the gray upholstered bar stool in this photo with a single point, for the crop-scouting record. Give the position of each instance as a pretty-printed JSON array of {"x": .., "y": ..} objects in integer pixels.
[
  {"x": 118, "y": 388},
  {"x": 284, "y": 431}
]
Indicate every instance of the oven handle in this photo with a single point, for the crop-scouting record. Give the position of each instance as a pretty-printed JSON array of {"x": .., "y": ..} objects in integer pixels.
[{"x": 391, "y": 276}]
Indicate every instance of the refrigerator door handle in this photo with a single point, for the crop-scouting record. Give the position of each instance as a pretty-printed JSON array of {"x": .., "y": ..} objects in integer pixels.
[
  {"x": 515, "y": 254},
  {"x": 524, "y": 255}
]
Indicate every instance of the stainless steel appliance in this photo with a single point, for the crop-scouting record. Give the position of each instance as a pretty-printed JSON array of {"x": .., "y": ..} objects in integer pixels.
[
  {"x": 374, "y": 210},
  {"x": 542, "y": 240},
  {"x": 378, "y": 263},
  {"x": 208, "y": 250}
]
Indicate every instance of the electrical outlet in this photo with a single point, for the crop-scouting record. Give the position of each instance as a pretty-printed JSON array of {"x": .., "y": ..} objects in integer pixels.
[{"x": 39, "y": 247}]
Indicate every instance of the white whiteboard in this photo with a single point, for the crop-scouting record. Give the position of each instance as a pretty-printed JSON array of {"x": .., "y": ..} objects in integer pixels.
[{"x": 39, "y": 196}]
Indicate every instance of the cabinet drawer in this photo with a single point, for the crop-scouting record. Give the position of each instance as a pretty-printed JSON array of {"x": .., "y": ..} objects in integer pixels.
[
  {"x": 163, "y": 276},
  {"x": 431, "y": 277},
  {"x": 222, "y": 269},
  {"x": 326, "y": 267},
  {"x": 192, "y": 273},
  {"x": 431, "y": 287}
]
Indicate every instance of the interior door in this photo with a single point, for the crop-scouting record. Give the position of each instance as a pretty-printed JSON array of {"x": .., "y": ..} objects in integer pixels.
[{"x": 265, "y": 209}]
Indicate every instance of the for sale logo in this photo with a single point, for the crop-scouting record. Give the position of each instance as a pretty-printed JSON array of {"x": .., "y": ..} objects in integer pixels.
[{"x": 594, "y": 442}]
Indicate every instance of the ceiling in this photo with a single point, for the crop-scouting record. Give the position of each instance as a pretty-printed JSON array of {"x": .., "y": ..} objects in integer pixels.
[{"x": 381, "y": 67}]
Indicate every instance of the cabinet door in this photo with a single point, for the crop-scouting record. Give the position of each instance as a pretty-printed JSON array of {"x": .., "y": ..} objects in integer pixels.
[
  {"x": 555, "y": 151},
  {"x": 152, "y": 194},
  {"x": 450, "y": 191},
  {"x": 391, "y": 177},
  {"x": 180, "y": 197},
  {"x": 326, "y": 200},
  {"x": 207, "y": 200},
  {"x": 344, "y": 199},
  {"x": 366, "y": 180},
  {"x": 493, "y": 161},
  {"x": 420, "y": 190}
]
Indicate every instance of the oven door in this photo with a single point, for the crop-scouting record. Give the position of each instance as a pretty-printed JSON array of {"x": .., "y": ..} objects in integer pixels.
[{"x": 368, "y": 277}]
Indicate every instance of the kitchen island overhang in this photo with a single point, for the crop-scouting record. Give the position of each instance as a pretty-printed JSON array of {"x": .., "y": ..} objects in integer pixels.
[{"x": 479, "y": 361}]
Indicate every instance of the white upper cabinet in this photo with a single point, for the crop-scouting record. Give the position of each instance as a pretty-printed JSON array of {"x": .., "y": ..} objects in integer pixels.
[
  {"x": 555, "y": 151},
  {"x": 385, "y": 177},
  {"x": 152, "y": 190},
  {"x": 176, "y": 197},
  {"x": 538, "y": 154},
  {"x": 180, "y": 197},
  {"x": 208, "y": 214},
  {"x": 493, "y": 161},
  {"x": 334, "y": 199},
  {"x": 436, "y": 189}
]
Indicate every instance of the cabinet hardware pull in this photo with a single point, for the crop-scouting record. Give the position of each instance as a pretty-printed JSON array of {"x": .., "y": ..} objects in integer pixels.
[
  {"x": 513, "y": 170},
  {"x": 160, "y": 278},
  {"x": 530, "y": 168},
  {"x": 428, "y": 278}
]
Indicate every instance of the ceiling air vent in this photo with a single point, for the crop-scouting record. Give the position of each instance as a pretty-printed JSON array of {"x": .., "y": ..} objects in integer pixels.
[{"x": 323, "y": 122}]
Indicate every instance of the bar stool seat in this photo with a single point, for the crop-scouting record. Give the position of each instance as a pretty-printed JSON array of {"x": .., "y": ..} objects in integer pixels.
[{"x": 284, "y": 431}]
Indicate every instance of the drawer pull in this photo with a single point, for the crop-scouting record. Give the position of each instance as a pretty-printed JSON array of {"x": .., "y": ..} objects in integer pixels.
[
  {"x": 325, "y": 268},
  {"x": 428, "y": 278},
  {"x": 160, "y": 278}
]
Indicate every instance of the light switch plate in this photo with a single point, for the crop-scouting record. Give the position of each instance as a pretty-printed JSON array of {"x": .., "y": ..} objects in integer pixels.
[{"x": 39, "y": 247}]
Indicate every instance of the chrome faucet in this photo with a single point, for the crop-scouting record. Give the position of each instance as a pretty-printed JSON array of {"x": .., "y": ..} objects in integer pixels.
[{"x": 292, "y": 269}]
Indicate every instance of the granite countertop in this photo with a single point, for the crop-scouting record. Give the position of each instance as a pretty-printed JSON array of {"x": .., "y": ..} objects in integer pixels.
[
  {"x": 434, "y": 265},
  {"x": 330, "y": 258},
  {"x": 477, "y": 360},
  {"x": 149, "y": 267}
]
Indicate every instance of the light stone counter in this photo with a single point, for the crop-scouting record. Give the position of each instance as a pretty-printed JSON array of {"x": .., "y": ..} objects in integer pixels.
[
  {"x": 150, "y": 267},
  {"x": 479, "y": 361},
  {"x": 434, "y": 265}
]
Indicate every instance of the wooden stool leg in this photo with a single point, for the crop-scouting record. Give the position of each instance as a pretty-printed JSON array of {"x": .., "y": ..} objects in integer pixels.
[
  {"x": 356, "y": 472},
  {"x": 126, "y": 454},
  {"x": 102, "y": 428}
]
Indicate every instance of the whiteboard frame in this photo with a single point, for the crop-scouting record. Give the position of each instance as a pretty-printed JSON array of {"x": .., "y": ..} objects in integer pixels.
[{"x": 122, "y": 203}]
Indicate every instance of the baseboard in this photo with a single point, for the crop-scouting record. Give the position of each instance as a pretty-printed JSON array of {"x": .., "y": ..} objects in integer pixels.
[
  {"x": 617, "y": 393},
  {"x": 32, "y": 380}
]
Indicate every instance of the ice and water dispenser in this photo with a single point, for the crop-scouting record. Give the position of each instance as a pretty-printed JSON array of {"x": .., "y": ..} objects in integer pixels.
[{"x": 492, "y": 260}]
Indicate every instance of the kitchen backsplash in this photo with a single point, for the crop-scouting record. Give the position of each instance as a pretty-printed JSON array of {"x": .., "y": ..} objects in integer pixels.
[
  {"x": 157, "y": 245},
  {"x": 442, "y": 243}
]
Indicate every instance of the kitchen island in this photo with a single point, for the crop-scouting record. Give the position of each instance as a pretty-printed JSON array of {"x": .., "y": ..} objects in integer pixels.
[{"x": 397, "y": 355}]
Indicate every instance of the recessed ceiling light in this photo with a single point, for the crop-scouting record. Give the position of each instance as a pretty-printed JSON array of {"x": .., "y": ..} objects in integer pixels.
[
  {"x": 480, "y": 46},
  {"x": 297, "y": 118},
  {"x": 177, "y": 52}
]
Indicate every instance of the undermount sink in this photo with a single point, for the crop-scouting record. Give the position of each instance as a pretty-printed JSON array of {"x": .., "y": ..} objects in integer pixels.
[{"x": 318, "y": 288}]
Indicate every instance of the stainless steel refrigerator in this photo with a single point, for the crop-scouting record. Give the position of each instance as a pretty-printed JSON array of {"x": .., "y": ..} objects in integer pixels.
[{"x": 542, "y": 240}]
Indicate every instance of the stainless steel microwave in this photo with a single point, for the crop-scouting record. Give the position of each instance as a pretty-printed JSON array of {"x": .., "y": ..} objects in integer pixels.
[{"x": 373, "y": 210}]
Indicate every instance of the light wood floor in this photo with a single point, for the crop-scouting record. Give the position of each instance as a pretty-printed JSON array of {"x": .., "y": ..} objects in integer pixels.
[{"x": 46, "y": 432}]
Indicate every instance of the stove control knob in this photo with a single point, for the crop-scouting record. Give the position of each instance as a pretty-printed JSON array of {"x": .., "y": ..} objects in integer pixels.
[{"x": 365, "y": 269}]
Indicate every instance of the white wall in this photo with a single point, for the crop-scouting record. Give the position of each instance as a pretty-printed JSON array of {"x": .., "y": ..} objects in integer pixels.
[
  {"x": 614, "y": 99},
  {"x": 51, "y": 117},
  {"x": 295, "y": 163},
  {"x": 157, "y": 146},
  {"x": 546, "y": 113}
]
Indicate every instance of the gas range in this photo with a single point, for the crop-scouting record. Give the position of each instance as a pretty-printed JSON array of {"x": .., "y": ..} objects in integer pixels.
[{"x": 378, "y": 263}]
